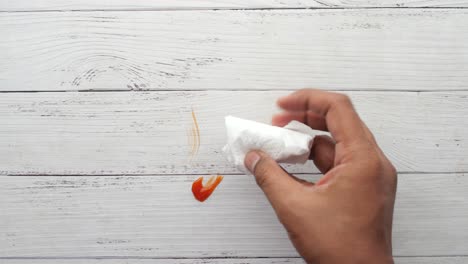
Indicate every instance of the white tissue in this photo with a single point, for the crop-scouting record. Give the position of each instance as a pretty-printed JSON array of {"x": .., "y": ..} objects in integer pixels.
[{"x": 290, "y": 144}]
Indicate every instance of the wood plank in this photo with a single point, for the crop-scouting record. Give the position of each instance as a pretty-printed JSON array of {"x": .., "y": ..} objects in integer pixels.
[
  {"x": 148, "y": 132},
  {"x": 398, "y": 260},
  {"x": 22, "y": 5},
  {"x": 143, "y": 216},
  {"x": 371, "y": 49}
]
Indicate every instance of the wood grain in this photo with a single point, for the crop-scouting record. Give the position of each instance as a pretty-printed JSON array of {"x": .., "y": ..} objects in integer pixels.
[
  {"x": 398, "y": 260},
  {"x": 153, "y": 46},
  {"x": 23, "y": 5},
  {"x": 369, "y": 49},
  {"x": 143, "y": 216},
  {"x": 112, "y": 133}
]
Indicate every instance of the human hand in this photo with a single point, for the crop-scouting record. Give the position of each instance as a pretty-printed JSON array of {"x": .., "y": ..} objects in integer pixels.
[{"x": 345, "y": 217}]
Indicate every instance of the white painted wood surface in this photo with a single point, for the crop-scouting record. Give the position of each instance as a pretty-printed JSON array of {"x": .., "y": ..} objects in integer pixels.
[
  {"x": 24, "y": 5},
  {"x": 250, "y": 57},
  {"x": 398, "y": 260},
  {"x": 144, "y": 216},
  {"x": 146, "y": 132},
  {"x": 369, "y": 49}
]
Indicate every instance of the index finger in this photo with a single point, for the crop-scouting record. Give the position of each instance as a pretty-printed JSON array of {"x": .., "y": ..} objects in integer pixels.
[{"x": 342, "y": 120}]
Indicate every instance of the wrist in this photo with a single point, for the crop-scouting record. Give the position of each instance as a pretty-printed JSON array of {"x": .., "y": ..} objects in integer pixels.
[
  {"x": 356, "y": 259},
  {"x": 356, "y": 255}
]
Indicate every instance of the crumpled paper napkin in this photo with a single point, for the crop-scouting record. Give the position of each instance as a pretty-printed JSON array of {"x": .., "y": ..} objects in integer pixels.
[{"x": 289, "y": 144}]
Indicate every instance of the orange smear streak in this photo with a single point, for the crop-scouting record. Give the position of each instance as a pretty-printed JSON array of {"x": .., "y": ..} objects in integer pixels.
[
  {"x": 194, "y": 136},
  {"x": 202, "y": 192},
  {"x": 196, "y": 131}
]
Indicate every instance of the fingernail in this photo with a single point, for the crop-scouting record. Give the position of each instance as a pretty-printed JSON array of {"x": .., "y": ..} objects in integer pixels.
[{"x": 251, "y": 160}]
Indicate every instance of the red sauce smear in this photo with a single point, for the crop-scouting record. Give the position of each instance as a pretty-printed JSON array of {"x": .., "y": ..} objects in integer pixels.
[{"x": 202, "y": 192}]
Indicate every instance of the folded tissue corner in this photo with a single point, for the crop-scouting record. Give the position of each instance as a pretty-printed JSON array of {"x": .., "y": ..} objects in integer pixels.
[{"x": 289, "y": 144}]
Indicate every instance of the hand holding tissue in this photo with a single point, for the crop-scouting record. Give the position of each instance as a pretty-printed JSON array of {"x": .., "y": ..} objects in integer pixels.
[{"x": 289, "y": 144}]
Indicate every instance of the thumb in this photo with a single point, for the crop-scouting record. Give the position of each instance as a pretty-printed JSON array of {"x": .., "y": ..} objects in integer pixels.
[{"x": 277, "y": 184}]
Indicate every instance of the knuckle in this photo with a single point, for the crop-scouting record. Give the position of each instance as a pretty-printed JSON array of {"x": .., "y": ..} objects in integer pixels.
[
  {"x": 261, "y": 180},
  {"x": 306, "y": 90},
  {"x": 374, "y": 164},
  {"x": 323, "y": 138},
  {"x": 393, "y": 170},
  {"x": 382, "y": 167},
  {"x": 393, "y": 174},
  {"x": 342, "y": 99},
  {"x": 261, "y": 173},
  {"x": 293, "y": 235}
]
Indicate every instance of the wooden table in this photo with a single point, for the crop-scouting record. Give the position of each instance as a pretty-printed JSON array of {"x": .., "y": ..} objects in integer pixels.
[{"x": 95, "y": 111}]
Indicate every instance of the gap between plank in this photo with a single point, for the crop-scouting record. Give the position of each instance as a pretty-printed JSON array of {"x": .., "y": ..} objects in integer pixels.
[
  {"x": 213, "y": 258},
  {"x": 226, "y": 90},
  {"x": 199, "y": 174},
  {"x": 329, "y": 7}
]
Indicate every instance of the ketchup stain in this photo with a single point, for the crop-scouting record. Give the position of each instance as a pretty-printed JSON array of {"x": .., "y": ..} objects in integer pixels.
[{"x": 201, "y": 191}]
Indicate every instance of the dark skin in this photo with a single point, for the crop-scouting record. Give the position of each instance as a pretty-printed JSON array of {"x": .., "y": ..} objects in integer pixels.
[{"x": 345, "y": 217}]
